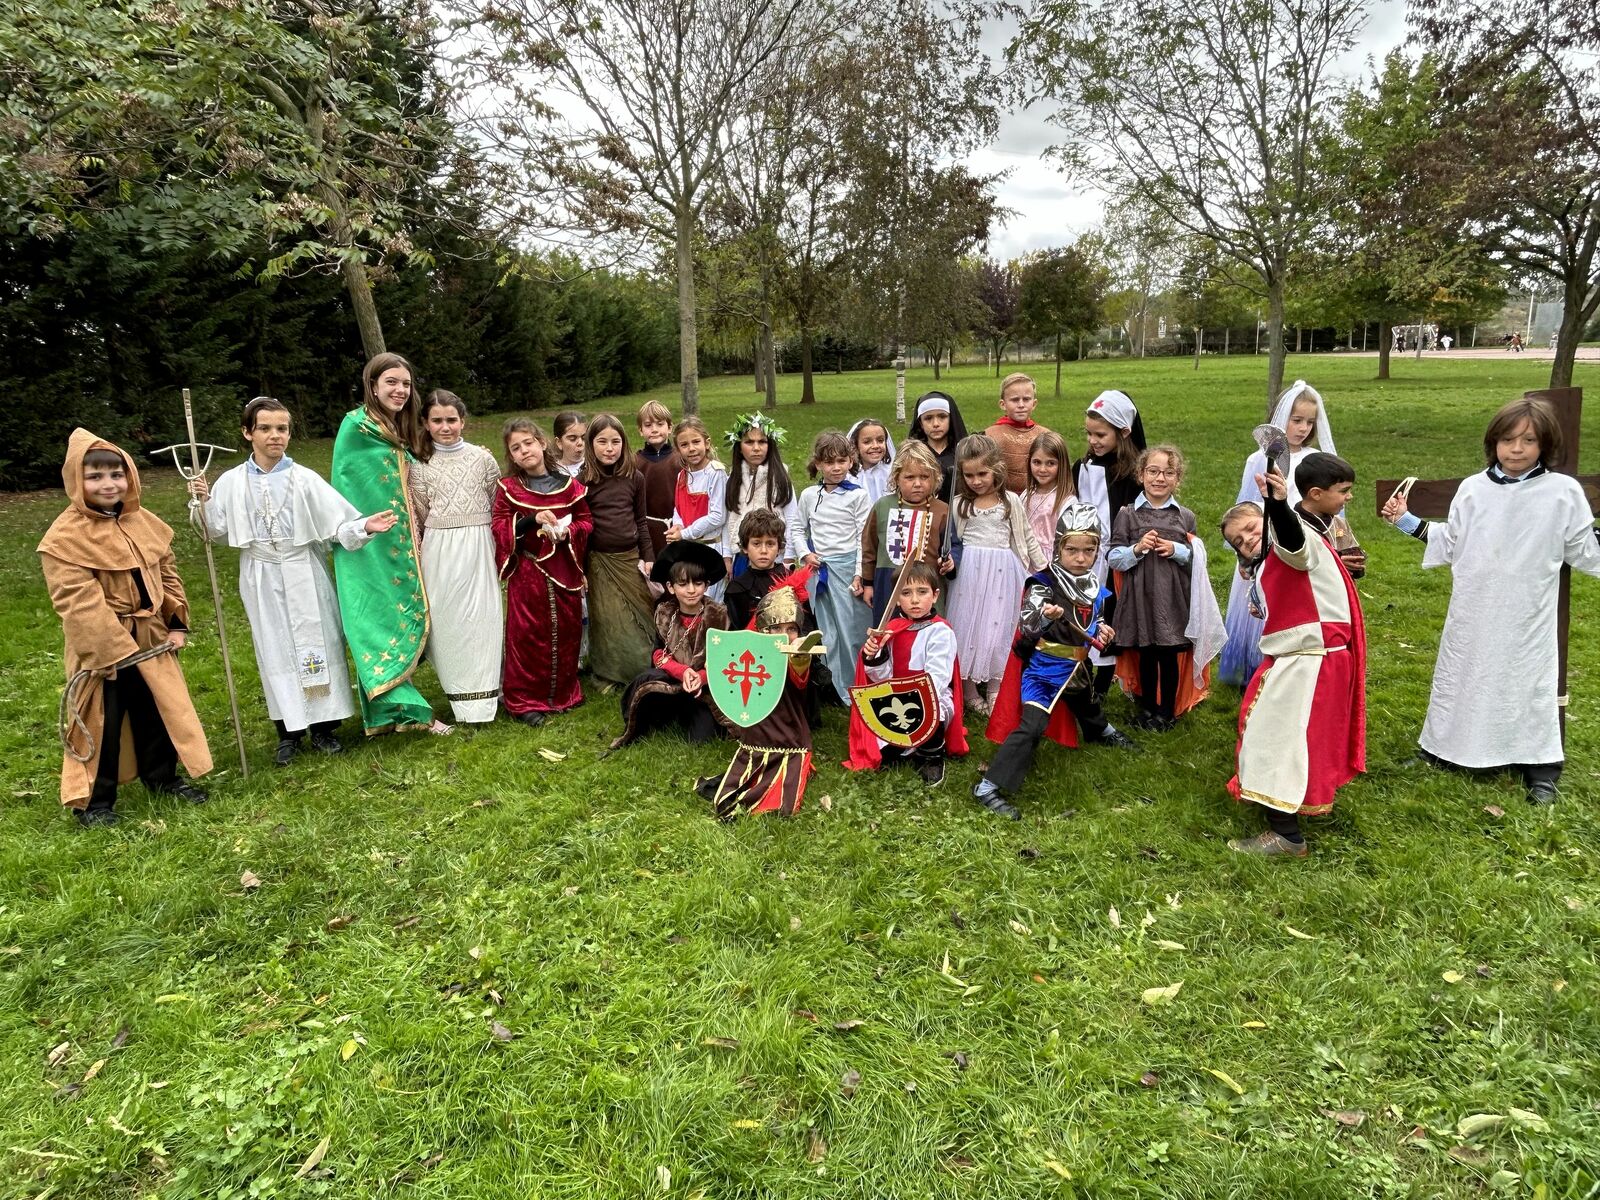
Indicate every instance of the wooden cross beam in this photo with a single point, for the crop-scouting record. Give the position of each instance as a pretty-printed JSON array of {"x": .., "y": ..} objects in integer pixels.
[{"x": 1430, "y": 499}]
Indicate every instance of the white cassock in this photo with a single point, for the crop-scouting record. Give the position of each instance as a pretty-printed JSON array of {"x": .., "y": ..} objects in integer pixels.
[
  {"x": 451, "y": 497},
  {"x": 1494, "y": 685},
  {"x": 281, "y": 521}
]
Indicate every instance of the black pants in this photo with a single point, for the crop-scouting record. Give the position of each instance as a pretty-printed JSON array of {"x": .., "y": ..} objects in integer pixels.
[
  {"x": 931, "y": 749},
  {"x": 1531, "y": 773},
  {"x": 129, "y": 696},
  {"x": 1011, "y": 763},
  {"x": 1158, "y": 679},
  {"x": 1283, "y": 824},
  {"x": 286, "y": 734}
]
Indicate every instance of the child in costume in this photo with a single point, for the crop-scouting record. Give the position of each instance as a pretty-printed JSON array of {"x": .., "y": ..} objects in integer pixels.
[
  {"x": 909, "y": 521},
  {"x": 769, "y": 770},
  {"x": 571, "y": 432},
  {"x": 874, "y": 454},
  {"x": 1016, "y": 429},
  {"x": 699, "y": 498},
  {"x": 758, "y": 479},
  {"x": 281, "y": 517},
  {"x": 918, "y": 640},
  {"x": 383, "y": 603},
  {"x": 113, "y": 582},
  {"x": 1510, "y": 530},
  {"x": 541, "y": 529},
  {"x": 1168, "y": 624},
  {"x": 1299, "y": 412},
  {"x": 998, "y": 552},
  {"x": 833, "y": 515},
  {"x": 452, "y": 498},
  {"x": 658, "y": 459},
  {"x": 1050, "y": 487},
  {"x": 1107, "y": 476},
  {"x": 761, "y": 540},
  {"x": 1302, "y": 726},
  {"x": 673, "y": 692},
  {"x": 622, "y": 630},
  {"x": 936, "y": 423},
  {"x": 1049, "y": 683}
]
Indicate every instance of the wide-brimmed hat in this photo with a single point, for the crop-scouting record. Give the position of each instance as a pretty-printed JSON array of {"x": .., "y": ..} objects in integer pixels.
[{"x": 699, "y": 553}]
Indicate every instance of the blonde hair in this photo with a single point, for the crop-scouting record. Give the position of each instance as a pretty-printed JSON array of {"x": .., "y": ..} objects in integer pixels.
[
  {"x": 1017, "y": 377},
  {"x": 652, "y": 410},
  {"x": 980, "y": 448},
  {"x": 1174, "y": 456},
  {"x": 915, "y": 454},
  {"x": 698, "y": 426},
  {"x": 1047, "y": 441}
]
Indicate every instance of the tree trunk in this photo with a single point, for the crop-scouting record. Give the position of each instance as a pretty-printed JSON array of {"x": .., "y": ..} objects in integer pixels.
[
  {"x": 364, "y": 306},
  {"x": 1418, "y": 354},
  {"x": 808, "y": 391},
  {"x": 769, "y": 361},
  {"x": 937, "y": 356},
  {"x": 758, "y": 364},
  {"x": 1385, "y": 343},
  {"x": 688, "y": 325},
  {"x": 1199, "y": 336},
  {"x": 1299, "y": 339},
  {"x": 1058, "y": 362},
  {"x": 1227, "y": 337},
  {"x": 1276, "y": 352},
  {"x": 1574, "y": 317}
]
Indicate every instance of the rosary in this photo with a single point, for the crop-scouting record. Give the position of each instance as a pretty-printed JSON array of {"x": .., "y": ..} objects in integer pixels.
[{"x": 270, "y": 514}]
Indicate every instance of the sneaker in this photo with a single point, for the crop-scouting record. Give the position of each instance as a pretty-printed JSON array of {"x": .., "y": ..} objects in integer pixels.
[
  {"x": 990, "y": 796},
  {"x": 931, "y": 770},
  {"x": 287, "y": 749},
  {"x": 531, "y": 719},
  {"x": 97, "y": 816},
  {"x": 1543, "y": 792},
  {"x": 1115, "y": 737},
  {"x": 1268, "y": 844}
]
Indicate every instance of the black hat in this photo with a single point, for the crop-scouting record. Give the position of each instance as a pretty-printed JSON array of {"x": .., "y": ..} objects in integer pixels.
[{"x": 699, "y": 553}]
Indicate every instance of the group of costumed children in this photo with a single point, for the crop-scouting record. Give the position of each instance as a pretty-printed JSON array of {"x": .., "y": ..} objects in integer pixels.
[{"x": 989, "y": 571}]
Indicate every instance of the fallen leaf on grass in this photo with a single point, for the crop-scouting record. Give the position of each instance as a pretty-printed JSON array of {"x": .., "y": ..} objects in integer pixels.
[
  {"x": 664, "y": 1178},
  {"x": 11, "y": 950},
  {"x": 1147, "y": 920},
  {"x": 68, "y": 1092},
  {"x": 1295, "y": 933},
  {"x": 1348, "y": 1117},
  {"x": 1233, "y": 1084},
  {"x": 408, "y": 922},
  {"x": 849, "y": 1082},
  {"x": 1573, "y": 903},
  {"x": 348, "y": 1050},
  {"x": 1114, "y": 917},
  {"x": 475, "y": 953},
  {"x": 158, "y": 1084},
  {"x": 1494, "y": 810},
  {"x": 847, "y": 1025},
  {"x": 58, "y": 1055},
  {"x": 747, "y": 1123},
  {"x": 1475, "y": 1124},
  {"x": 550, "y": 755},
  {"x": 121, "y": 1040},
  {"x": 312, "y": 1159},
  {"x": 1452, "y": 976},
  {"x": 342, "y": 921},
  {"x": 957, "y": 919},
  {"x": 500, "y": 1033},
  {"x": 20, "y": 794},
  {"x": 959, "y": 1058},
  {"x": 1528, "y": 1120},
  {"x": 249, "y": 881},
  {"x": 1053, "y": 1165},
  {"x": 805, "y": 1014},
  {"x": 1467, "y": 1154},
  {"x": 794, "y": 924},
  {"x": 93, "y": 1070},
  {"x": 1254, "y": 1025},
  {"x": 816, "y": 1146},
  {"x": 721, "y": 1043},
  {"x": 1018, "y": 927},
  {"x": 1149, "y": 1079},
  {"x": 1559, "y": 986},
  {"x": 1161, "y": 995},
  {"x": 826, "y": 803},
  {"x": 1027, "y": 852},
  {"x": 569, "y": 891},
  {"x": 1038, "y": 978},
  {"x": 1163, "y": 944}
]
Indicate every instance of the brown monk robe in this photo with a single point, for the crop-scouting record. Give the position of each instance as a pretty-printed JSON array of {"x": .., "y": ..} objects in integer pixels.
[{"x": 115, "y": 586}]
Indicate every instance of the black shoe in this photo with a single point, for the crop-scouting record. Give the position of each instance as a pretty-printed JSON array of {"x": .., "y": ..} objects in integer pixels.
[
  {"x": 1115, "y": 737},
  {"x": 326, "y": 743},
  {"x": 1543, "y": 792},
  {"x": 995, "y": 801},
  {"x": 1146, "y": 720},
  {"x": 97, "y": 816},
  {"x": 184, "y": 790},
  {"x": 287, "y": 749},
  {"x": 931, "y": 770},
  {"x": 531, "y": 719}
]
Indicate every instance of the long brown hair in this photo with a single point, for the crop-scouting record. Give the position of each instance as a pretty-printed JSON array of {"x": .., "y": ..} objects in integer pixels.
[
  {"x": 527, "y": 425},
  {"x": 1545, "y": 427},
  {"x": 593, "y": 472},
  {"x": 1052, "y": 444},
  {"x": 409, "y": 427}
]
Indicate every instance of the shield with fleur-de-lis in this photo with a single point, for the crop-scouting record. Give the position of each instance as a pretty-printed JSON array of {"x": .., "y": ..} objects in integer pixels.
[
  {"x": 903, "y": 711},
  {"x": 745, "y": 671}
]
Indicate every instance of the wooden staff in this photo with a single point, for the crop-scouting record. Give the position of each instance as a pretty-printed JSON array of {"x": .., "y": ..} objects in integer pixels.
[{"x": 913, "y": 553}]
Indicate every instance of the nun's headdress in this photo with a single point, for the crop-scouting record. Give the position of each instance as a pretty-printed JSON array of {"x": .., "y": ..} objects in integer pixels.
[{"x": 1117, "y": 410}]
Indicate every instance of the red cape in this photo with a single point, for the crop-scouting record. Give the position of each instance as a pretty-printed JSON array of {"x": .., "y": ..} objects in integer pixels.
[{"x": 865, "y": 754}]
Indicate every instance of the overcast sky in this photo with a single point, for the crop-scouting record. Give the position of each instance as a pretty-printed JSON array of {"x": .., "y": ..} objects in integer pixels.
[{"x": 1048, "y": 211}]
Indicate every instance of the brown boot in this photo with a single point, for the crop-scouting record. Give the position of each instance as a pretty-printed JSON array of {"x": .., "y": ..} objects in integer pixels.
[{"x": 1268, "y": 844}]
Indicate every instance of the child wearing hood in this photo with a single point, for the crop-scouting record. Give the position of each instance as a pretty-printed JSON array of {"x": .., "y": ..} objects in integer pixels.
[{"x": 108, "y": 564}]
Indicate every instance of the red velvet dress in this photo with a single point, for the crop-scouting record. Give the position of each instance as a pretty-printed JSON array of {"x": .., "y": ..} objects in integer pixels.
[{"x": 544, "y": 594}]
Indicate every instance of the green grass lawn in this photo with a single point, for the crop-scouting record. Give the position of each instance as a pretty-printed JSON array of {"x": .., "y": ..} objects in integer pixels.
[{"x": 471, "y": 971}]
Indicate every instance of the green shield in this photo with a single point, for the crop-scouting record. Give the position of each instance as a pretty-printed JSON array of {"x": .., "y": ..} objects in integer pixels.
[{"x": 746, "y": 673}]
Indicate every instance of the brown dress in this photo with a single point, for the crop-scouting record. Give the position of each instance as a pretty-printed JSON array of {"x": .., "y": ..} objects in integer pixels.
[
  {"x": 1153, "y": 601},
  {"x": 94, "y": 564}
]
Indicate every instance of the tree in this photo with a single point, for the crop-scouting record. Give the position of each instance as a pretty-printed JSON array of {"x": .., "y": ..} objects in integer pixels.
[
  {"x": 1140, "y": 253},
  {"x": 1062, "y": 291},
  {"x": 1209, "y": 111},
  {"x": 626, "y": 111},
  {"x": 1204, "y": 296},
  {"x": 999, "y": 293},
  {"x": 1516, "y": 157}
]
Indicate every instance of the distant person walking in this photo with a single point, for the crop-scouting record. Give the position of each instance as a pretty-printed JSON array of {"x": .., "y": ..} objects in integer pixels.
[{"x": 1444, "y": 342}]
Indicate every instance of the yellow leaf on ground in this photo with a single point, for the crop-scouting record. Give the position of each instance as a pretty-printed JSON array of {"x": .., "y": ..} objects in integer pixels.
[
  {"x": 170, "y": 998},
  {"x": 1161, "y": 995},
  {"x": 1476, "y": 1123},
  {"x": 1114, "y": 917},
  {"x": 348, "y": 1050},
  {"x": 94, "y": 1070},
  {"x": 1295, "y": 933},
  {"x": 1058, "y": 1168},
  {"x": 747, "y": 1124},
  {"x": 313, "y": 1158},
  {"x": 550, "y": 755},
  {"x": 1233, "y": 1084},
  {"x": 1019, "y": 927},
  {"x": 1254, "y": 1025},
  {"x": 1452, "y": 977},
  {"x": 249, "y": 881},
  {"x": 1166, "y": 945}
]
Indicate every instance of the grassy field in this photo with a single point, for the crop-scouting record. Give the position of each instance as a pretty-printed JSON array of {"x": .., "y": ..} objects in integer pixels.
[{"x": 471, "y": 971}]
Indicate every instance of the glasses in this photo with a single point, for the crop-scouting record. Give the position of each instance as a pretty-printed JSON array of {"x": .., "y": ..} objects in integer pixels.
[{"x": 1161, "y": 472}]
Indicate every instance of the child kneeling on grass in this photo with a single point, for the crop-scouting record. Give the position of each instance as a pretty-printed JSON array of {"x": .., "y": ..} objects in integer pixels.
[
  {"x": 917, "y": 641},
  {"x": 1049, "y": 682},
  {"x": 1303, "y": 720}
]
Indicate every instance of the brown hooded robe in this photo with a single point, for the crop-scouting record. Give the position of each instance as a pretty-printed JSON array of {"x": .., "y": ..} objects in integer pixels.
[{"x": 89, "y": 560}]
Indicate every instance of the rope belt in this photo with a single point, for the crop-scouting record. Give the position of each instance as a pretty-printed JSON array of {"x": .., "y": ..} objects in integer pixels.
[{"x": 69, "y": 722}]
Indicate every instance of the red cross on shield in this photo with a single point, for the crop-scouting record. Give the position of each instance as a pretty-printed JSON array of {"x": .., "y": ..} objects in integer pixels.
[{"x": 746, "y": 672}]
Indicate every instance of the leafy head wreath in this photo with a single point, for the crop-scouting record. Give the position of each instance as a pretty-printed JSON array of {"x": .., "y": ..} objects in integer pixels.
[{"x": 743, "y": 425}]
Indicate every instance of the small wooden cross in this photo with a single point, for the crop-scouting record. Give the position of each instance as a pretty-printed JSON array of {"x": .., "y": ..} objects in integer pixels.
[{"x": 1430, "y": 499}]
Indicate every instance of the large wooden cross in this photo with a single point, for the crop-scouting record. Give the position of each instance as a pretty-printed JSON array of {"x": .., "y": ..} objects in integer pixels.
[{"x": 1430, "y": 499}]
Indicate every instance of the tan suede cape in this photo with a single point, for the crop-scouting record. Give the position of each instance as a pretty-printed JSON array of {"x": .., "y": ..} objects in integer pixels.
[{"x": 89, "y": 558}]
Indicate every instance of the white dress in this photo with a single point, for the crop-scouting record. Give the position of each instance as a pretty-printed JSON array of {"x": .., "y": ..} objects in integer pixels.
[
  {"x": 281, "y": 521},
  {"x": 986, "y": 596},
  {"x": 830, "y": 527},
  {"x": 451, "y": 496},
  {"x": 1494, "y": 685}
]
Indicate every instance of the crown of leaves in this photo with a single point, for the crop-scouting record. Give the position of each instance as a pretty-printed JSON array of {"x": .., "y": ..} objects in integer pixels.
[{"x": 743, "y": 425}]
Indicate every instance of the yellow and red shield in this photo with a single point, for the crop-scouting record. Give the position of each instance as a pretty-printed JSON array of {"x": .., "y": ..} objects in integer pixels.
[{"x": 903, "y": 711}]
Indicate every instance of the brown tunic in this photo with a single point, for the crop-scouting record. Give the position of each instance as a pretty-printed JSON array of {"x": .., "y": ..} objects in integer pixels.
[
  {"x": 660, "y": 487},
  {"x": 1153, "y": 602},
  {"x": 93, "y": 564},
  {"x": 617, "y": 504}
]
